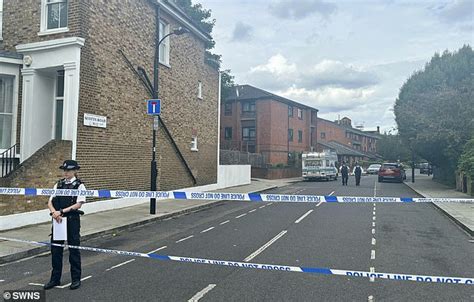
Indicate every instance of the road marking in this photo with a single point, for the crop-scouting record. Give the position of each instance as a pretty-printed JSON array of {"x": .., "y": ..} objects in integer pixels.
[
  {"x": 120, "y": 264},
  {"x": 372, "y": 254},
  {"x": 370, "y": 299},
  {"x": 24, "y": 259},
  {"x": 373, "y": 218},
  {"x": 373, "y": 231},
  {"x": 373, "y": 224},
  {"x": 375, "y": 189},
  {"x": 251, "y": 211},
  {"x": 168, "y": 219},
  {"x": 261, "y": 207},
  {"x": 69, "y": 284},
  {"x": 265, "y": 246},
  {"x": 201, "y": 294},
  {"x": 319, "y": 203},
  {"x": 373, "y": 241},
  {"x": 241, "y": 215},
  {"x": 222, "y": 223},
  {"x": 185, "y": 238},
  {"x": 158, "y": 249},
  {"x": 270, "y": 204},
  {"x": 331, "y": 193},
  {"x": 207, "y": 230},
  {"x": 372, "y": 270},
  {"x": 304, "y": 216},
  {"x": 2, "y": 280},
  {"x": 36, "y": 284}
]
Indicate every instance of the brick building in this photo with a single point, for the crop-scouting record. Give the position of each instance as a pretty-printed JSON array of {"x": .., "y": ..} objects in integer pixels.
[
  {"x": 61, "y": 71},
  {"x": 344, "y": 136},
  {"x": 258, "y": 121}
]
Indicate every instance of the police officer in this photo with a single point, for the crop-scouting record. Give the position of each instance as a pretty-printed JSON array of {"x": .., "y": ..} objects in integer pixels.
[
  {"x": 344, "y": 173},
  {"x": 66, "y": 206}
]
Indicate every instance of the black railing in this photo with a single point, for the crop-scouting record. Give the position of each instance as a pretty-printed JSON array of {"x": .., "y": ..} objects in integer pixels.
[{"x": 9, "y": 160}]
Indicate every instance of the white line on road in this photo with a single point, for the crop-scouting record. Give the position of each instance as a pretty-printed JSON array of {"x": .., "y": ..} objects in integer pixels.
[
  {"x": 373, "y": 231},
  {"x": 251, "y": 211},
  {"x": 36, "y": 284},
  {"x": 320, "y": 203},
  {"x": 69, "y": 284},
  {"x": 373, "y": 224},
  {"x": 261, "y": 207},
  {"x": 185, "y": 238},
  {"x": 373, "y": 218},
  {"x": 331, "y": 193},
  {"x": 372, "y": 254},
  {"x": 304, "y": 216},
  {"x": 373, "y": 241},
  {"x": 373, "y": 212},
  {"x": 375, "y": 189},
  {"x": 120, "y": 264},
  {"x": 370, "y": 299},
  {"x": 372, "y": 270},
  {"x": 270, "y": 204},
  {"x": 241, "y": 215},
  {"x": 265, "y": 246},
  {"x": 222, "y": 223},
  {"x": 2, "y": 280},
  {"x": 201, "y": 294},
  {"x": 207, "y": 230},
  {"x": 158, "y": 249}
]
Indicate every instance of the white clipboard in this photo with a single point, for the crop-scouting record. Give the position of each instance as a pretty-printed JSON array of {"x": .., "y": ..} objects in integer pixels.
[{"x": 60, "y": 229}]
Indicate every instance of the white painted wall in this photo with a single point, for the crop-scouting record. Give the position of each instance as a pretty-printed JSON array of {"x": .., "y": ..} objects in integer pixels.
[{"x": 229, "y": 176}]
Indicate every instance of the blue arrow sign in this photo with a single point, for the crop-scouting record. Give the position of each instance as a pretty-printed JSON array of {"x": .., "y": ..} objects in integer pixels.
[{"x": 154, "y": 107}]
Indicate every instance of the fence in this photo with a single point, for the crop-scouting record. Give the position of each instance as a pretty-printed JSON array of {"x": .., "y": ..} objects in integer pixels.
[{"x": 233, "y": 157}]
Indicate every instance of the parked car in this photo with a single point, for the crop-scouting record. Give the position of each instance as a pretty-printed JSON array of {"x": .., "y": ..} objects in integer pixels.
[
  {"x": 426, "y": 168},
  {"x": 392, "y": 171},
  {"x": 373, "y": 168}
]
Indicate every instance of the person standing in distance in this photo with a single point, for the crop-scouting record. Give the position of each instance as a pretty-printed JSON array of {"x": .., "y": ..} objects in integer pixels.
[
  {"x": 357, "y": 173},
  {"x": 67, "y": 206},
  {"x": 344, "y": 173}
]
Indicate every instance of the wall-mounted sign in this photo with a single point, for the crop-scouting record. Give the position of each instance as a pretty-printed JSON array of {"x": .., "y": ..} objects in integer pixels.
[{"x": 93, "y": 120}]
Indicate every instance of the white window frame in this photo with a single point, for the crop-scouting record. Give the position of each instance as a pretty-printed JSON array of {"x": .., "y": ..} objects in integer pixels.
[
  {"x": 1, "y": 20},
  {"x": 199, "y": 94},
  {"x": 44, "y": 19},
  {"x": 56, "y": 99},
  {"x": 165, "y": 45},
  {"x": 14, "y": 108},
  {"x": 194, "y": 144}
]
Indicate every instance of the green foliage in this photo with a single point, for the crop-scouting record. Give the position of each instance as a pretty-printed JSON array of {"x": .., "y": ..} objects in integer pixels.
[
  {"x": 466, "y": 161},
  {"x": 391, "y": 148},
  {"x": 202, "y": 18},
  {"x": 227, "y": 83},
  {"x": 435, "y": 109}
]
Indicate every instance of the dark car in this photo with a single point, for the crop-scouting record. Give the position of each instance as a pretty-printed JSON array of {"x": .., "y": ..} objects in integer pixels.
[
  {"x": 426, "y": 168},
  {"x": 392, "y": 171}
]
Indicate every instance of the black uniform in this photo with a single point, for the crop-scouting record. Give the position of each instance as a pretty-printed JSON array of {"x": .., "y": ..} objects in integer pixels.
[
  {"x": 358, "y": 174},
  {"x": 344, "y": 174},
  {"x": 73, "y": 236}
]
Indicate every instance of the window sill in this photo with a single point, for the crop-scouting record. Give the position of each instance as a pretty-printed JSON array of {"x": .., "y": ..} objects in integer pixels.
[
  {"x": 53, "y": 31},
  {"x": 165, "y": 64}
]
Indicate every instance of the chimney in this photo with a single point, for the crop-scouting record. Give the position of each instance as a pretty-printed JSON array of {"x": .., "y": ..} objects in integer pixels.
[
  {"x": 378, "y": 129},
  {"x": 237, "y": 91}
]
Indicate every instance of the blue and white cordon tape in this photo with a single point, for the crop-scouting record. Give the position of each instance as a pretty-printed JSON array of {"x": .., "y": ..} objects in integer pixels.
[
  {"x": 268, "y": 267},
  {"x": 255, "y": 197}
]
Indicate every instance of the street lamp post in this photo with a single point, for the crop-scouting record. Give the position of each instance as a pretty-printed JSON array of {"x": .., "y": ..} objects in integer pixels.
[{"x": 156, "y": 121}]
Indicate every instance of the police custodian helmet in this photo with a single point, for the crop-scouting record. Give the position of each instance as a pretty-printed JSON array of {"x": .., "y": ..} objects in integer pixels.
[{"x": 70, "y": 165}]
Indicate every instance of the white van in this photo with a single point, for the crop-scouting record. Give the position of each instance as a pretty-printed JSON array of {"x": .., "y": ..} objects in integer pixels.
[{"x": 319, "y": 165}]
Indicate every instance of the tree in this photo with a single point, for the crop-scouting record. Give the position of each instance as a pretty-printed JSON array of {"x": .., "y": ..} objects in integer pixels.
[
  {"x": 227, "y": 84},
  {"x": 435, "y": 112},
  {"x": 202, "y": 18},
  {"x": 391, "y": 148},
  {"x": 466, "y": 161}
]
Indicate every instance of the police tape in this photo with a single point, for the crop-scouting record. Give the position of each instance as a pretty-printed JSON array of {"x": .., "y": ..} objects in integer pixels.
[
  {"x": 255, "y": 197},
  {"x": 268, "y": 267}
]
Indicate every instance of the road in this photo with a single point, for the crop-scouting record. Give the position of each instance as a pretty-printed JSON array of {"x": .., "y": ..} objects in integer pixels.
[{"x": 393, "y": 238}]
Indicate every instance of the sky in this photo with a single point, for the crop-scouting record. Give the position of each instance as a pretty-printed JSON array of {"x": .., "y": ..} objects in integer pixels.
[{"x": 344, "y": 58}]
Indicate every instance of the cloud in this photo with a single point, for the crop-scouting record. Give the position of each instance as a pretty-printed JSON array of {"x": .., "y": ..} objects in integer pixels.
[
  {"x": 332, "y": 73},
  {"x": 242, "y": 32},
  {"x": 330, "y": 99},
  {"x": 457, "y": 11},
  {"x": 336, "y": 73},
  {"x": 288, "y": 9}
]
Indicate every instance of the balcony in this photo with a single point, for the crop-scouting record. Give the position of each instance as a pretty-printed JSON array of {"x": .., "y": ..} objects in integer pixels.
[{"x": 248, "y": 114}]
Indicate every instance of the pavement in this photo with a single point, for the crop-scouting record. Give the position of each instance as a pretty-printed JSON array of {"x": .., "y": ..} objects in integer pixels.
[
  {"x": 110, "y": 222},
  {"x": 395, "y": 238},
  {"x": 461, "y": 213}
]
